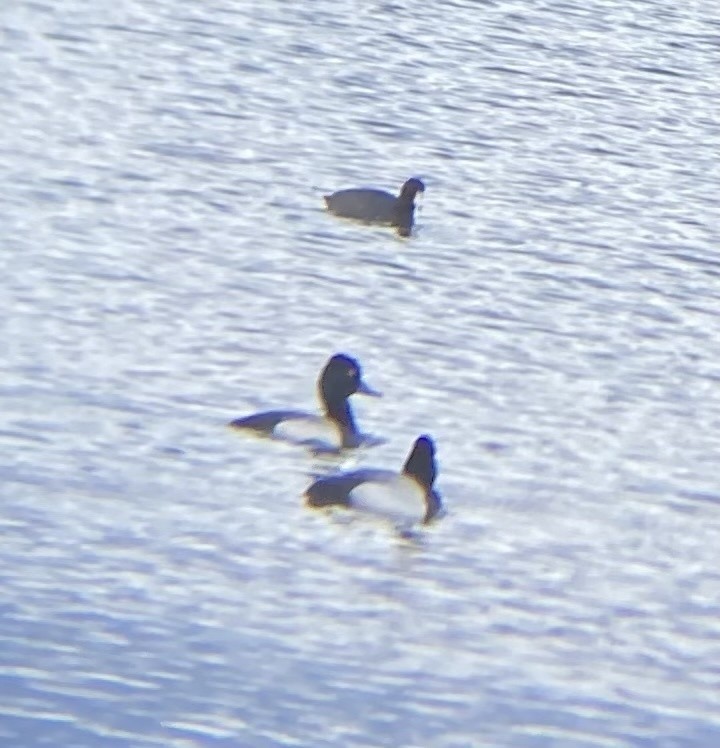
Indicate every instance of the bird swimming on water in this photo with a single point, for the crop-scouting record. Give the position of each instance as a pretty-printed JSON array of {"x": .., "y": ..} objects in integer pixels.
[
  {"x": 375, "y": 206},
  {"x": 405, "y": 499},
  {"x": 334, "y": 428}
]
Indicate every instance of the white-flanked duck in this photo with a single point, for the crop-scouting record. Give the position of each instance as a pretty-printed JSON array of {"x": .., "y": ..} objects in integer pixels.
[
  {"x": 405, "y": 499},
  {"x": 334, "y": 428}
]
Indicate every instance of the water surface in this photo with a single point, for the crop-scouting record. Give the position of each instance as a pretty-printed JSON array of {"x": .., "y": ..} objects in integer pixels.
[{"x": 168, "y": 266}]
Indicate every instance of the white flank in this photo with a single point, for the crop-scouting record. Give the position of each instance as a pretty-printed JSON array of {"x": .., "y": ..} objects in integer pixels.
[
  {"x": 398, "y": 498},
  {"x": 313, "y": 429}
]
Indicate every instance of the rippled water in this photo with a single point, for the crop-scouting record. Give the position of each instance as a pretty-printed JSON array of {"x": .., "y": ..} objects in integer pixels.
[{"x": 553, "y": 323}]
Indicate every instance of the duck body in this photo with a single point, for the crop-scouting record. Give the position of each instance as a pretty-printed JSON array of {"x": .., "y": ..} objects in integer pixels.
[
  {"x": 334, "y": 428},
  {"x": 404, "y": 498},
  {"x": 364, "y": 204},
  {"x": 299, "y": 427},
  {"x": 376, "y": 206}
]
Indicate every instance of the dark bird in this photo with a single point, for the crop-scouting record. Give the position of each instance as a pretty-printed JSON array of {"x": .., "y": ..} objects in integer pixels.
[{"x": 377, "y": 206}]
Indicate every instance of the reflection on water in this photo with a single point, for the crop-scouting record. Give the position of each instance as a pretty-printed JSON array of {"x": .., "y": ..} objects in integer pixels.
[{"x": 169, "y": 265}]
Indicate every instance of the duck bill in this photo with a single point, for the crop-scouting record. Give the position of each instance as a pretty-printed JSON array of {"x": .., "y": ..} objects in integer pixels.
[{"x": 365, "y": 389}]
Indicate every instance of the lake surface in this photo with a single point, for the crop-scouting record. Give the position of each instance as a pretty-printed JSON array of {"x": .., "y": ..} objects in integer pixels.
[{"x": 553, "y": 323}]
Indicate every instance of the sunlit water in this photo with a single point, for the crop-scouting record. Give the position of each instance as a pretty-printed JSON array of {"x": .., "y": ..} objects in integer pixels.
[{"x": 554, "y": 324}]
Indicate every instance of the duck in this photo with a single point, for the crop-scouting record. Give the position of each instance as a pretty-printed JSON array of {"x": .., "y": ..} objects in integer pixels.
[
  {"x": 375, "y": 206},
  {"x": 405, "y": 499},
  {"x": 331, "y": 430}
]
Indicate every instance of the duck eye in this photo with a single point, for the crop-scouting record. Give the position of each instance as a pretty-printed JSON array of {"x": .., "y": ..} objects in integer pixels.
[{"x": 351, "y": 372}]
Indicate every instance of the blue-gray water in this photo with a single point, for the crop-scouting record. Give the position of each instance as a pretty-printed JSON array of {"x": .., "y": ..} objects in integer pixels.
[{"x": 554, "y": 323}]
